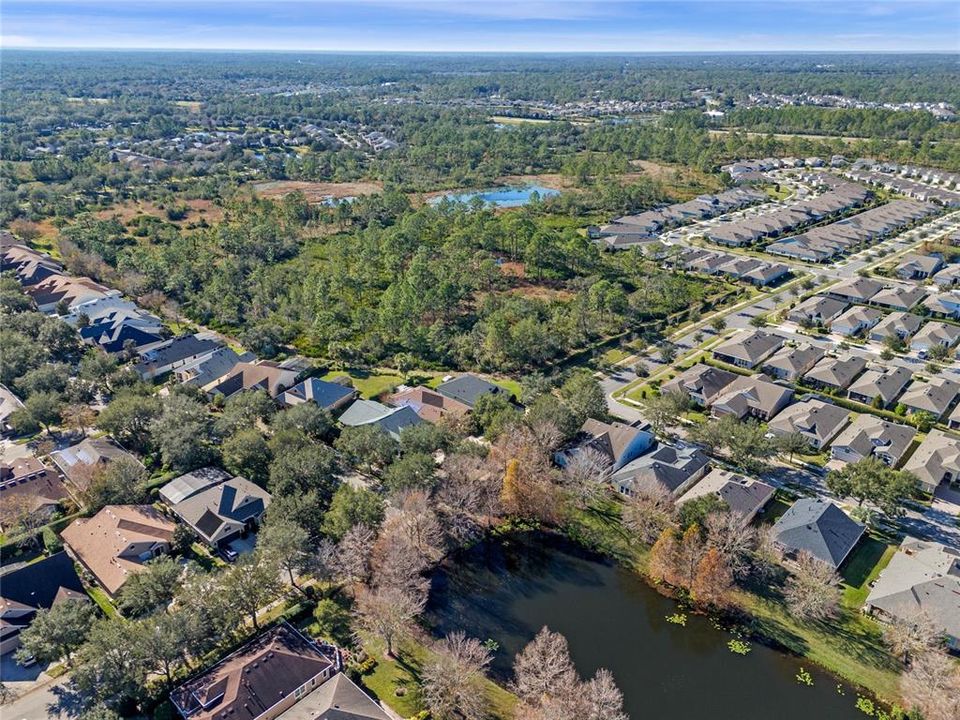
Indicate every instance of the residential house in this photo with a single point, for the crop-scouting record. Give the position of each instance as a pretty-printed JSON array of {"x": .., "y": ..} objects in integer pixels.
[
  {"x": 835, "y": 374},
  {"x": 918, "y": 267},
  {"x": 748, "y": 349},
  {"x": 855, "y": 290},
  {"x": 430, "y": 405},
  {"x": 922, "y": 579},
  {"x": 669, "y": 468},
  {"x": 391, "y": 420},
  {"x": 934, "y": 396},
  {"x": 156, "y": 359},
  {"x": 743, "y": 496},
  {"x": 617, "y": 443},
  {"x": 210, "y": 367},
  {"x": 870, "y": 436},
  {"x": 62, "y": 291},
  {"x": 899, "y": 324},
  {"x": 218, "y": 507},
  {"x": 28, "y": 488},
  {"x": 32, "y": 587},
  {"x": 327, "y": 395},
  {"x": 752, "y": 397},
  {"x": 9, "y": 404},
  {"x": 265, "y": 677},
  {"x": 944, "y": 304},
  {"x": 792, "y": 361},
  {"x": 899, "y": 297},
  {"x": 267, "y": 376},
  {"x": 936, "y": 461},
  {"x": 337, "y": 699},
  {"x": 766, "y": 274},
  {"x": 29, "y": 266},
  {"x": 880, "y": 386},
  {"x": 816, "y": 421},
  {"x": 80, "y": 463},
  {"x": 856, "y": 320},
  {"x": 933, "y": 334},
  {"x": 468, "y": 388},
  {"x": 817, "y": 310},
  {"x": 702, "y": 383},
  {"x": 117, "y": 542},
  {"x": 820, "y": 528},
  {"x": 948, "y": 277}
]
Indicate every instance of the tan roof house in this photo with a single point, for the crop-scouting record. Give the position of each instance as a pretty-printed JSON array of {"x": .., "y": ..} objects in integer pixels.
[
  {"x": 117, "y": 542},
  {"x": 870, "y": 436},
  {"x": 753, "y": 397},
  {"x": 817, "y": 421},
  {"x": 937, "y": 460}
]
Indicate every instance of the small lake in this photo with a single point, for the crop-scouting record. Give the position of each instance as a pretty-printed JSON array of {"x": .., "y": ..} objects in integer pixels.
[
  {"x": 507, "y": 591},
  {"x": 505, "y": 197}
]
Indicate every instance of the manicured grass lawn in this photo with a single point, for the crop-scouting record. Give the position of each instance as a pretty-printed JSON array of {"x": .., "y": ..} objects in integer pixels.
[
  {"x": 614, "y": 355},
  {"x": 511, "y": 386},
  {"x": 100, "y": 598},
  {"x": 869, "y": 558},
  {"x": 404, "y": 670},
  {"x": 369, "y": 384}
]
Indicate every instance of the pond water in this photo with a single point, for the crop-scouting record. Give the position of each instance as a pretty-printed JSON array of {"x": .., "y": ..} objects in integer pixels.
[
  {"x": 507, "y": 591},
  {"x": 500, "y": 197}
]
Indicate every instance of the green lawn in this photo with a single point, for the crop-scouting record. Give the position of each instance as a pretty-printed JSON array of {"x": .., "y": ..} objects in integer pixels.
[
  {"x": 404, "y": 671},
  {"x": 100, "y": 598},
  {"x": 870, "y": 557},
  {"x": 370, "y": 384}
]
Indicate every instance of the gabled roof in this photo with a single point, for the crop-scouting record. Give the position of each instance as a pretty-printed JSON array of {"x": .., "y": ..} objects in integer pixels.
[
  {"x": 869, "y": 435},
  {"x": 232, "y": 501},
  {"x": 938, "y": 453},
  {"x": 752, "y": 393},
  {"x": 750, "y": 347},
  {"x": 702, "y": 379},
  {"x": 838, "y": 372},
  {"x": 468, "y": 389},
  {"x": 611, "y": 439},
  {"x": 337, "y": 699},
  {"x": 75, "y": 460},
  {"x": 795, "y": 359},
  {"x": 743, "y": 495},
  {"x": 668, "y": 467},
  {"x": 253, "y": 376},
  {"x": 933, "y": 396},
  {"x": 41, "y": 584},
  {"x": 812, "y": 417},
  {"x": 922, "y": 577},
  {"x": 820, "y": 528},
  {"x": 370, "y": 412},
  {"x": 254, "y": 679},
  {"x": 188, "y": 485},
  {"x": 428, "y": 404},
  {"x": 883, "y": 382},
  {"x": 325, "y": 394},
  {"x": 174, "y": 350}
]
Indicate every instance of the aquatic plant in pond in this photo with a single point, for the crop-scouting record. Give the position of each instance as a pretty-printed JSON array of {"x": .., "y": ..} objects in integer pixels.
[
  {"x": 739, "y": 647},
  {"x": 677, "y": 619},
  {"x": 804, "y": 677}
]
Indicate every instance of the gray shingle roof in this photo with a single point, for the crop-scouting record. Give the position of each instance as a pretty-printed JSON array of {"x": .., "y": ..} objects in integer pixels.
[{"x": 820, "y": 528}]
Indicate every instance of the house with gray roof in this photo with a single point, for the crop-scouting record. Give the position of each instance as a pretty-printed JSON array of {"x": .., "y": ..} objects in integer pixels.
[
  {"x": 855, "y": 290},
  {"x": 899, "y": 297},
  {"x": 948, "y": 277},
  {"x": 391, "y": 420},
  {"x": 668, "y": 468},
  {"x": 899, "y": 324},
  {"x": 702, "y": 383},
  {"x": 337, "y": 699},
  {"x": 792, "y": 361},
  {"x": 469, "y": 388},
  {"x": 880, "y": 384},
  {"x": 215, "y": 505},
  {"x": 936, "y": 461},
  {"x": 205, "y": 369},
  {"x": 752, "y": 397},
  {"x": 817, "y": 310},
  {"x": 617, "y": 442},
  {"x": 922, "y": 578},
  {"x": 871, "y": 436},
  {"x": 918, "y": 267},
  {"x": 327, "y": 395},
  {"x": 933, "y": 334},
  {"x": 158, "y": 358},
  {"x": 744, "y": 496},
  {"x": 820, "y": 528},
  {"x": 816, "y": 421},
  {"x": 835, "y": 373},
  {"x": 748, "y": 349},
  {"x": 856, "y": 320},
  {"x": 935, "y": 396},
  {"x": 79, "y": 463}
]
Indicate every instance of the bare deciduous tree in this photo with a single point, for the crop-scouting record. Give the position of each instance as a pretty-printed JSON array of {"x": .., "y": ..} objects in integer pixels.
[
  {"x": 586, "y": 474},
  {"x": 734, "y": 540},
  {"x": 451, "y": 681},
  {"x": 602, "y": 698},
  {"x": 648, "y": 514},
  {"x": 387, "y": 612},
  {"x": 354, "y": 549},
  {"x": 544, "y": 670},
  {"x": 932, "y": 685},
  {"x": 417, "y": 522},
  {"x": 910, "y": 638},
  {"x": 811, "y": 590}
]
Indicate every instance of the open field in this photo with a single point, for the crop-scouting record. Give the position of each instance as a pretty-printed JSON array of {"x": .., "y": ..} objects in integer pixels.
[
  {"x": 316, "y": 191},
  {"x": 196, "y": 209}
]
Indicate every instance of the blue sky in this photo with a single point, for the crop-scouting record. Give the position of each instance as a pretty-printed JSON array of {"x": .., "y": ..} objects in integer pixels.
[{"x": 486, "y": 25}]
